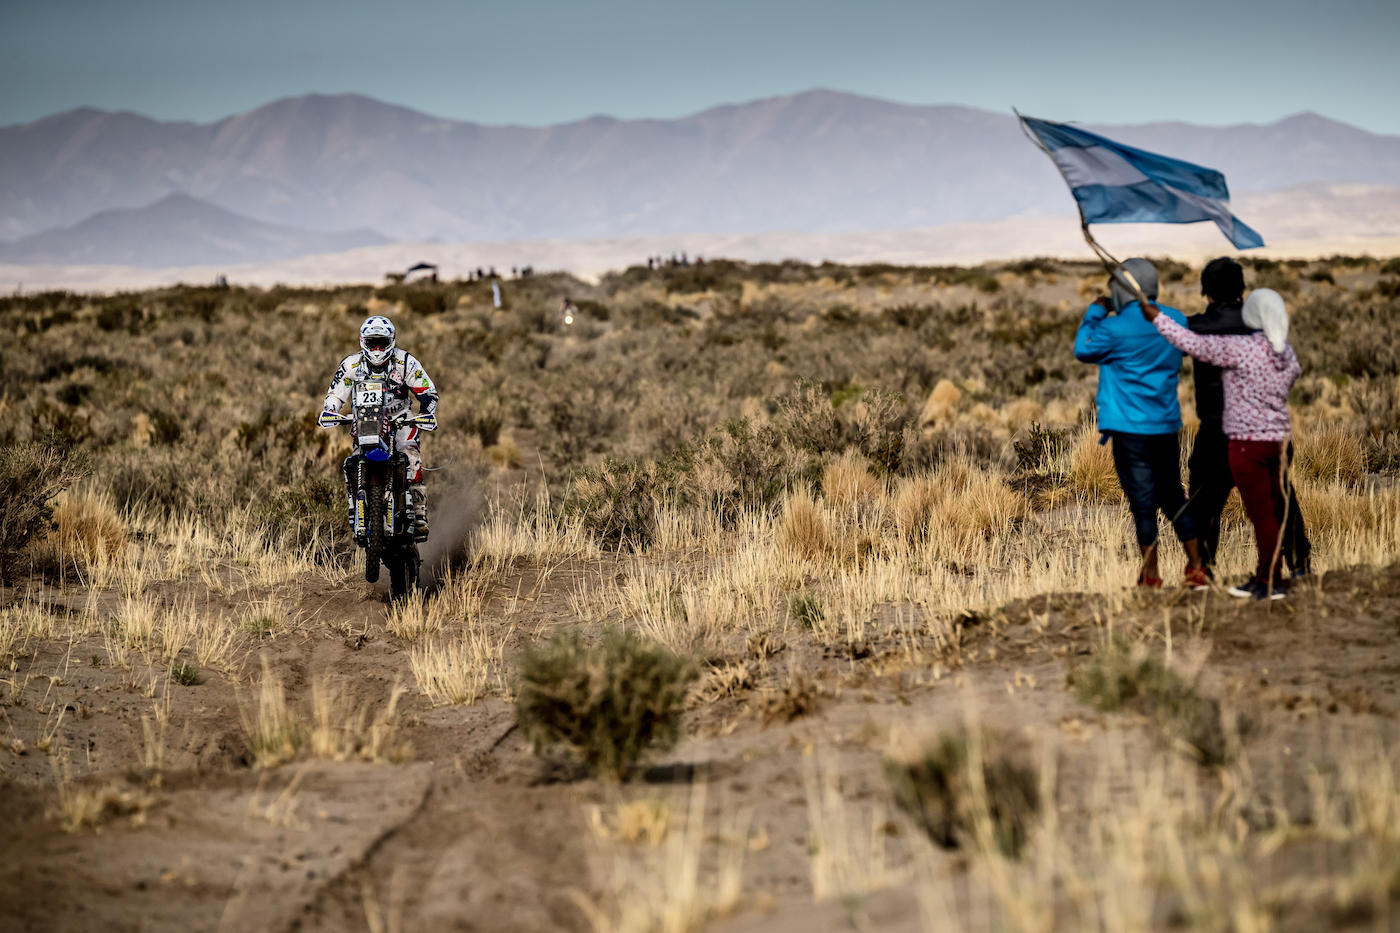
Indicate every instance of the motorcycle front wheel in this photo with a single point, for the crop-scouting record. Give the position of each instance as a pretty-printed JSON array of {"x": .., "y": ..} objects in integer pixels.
[{"x": 374, "y": 531}]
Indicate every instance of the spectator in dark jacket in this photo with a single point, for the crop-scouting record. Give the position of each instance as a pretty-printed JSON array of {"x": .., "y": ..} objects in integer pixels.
[
  {"x": 1138, "y": 410},
  {"x": 1222, "y": 282}
]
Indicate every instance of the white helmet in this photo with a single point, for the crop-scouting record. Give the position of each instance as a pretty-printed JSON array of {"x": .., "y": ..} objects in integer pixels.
[{"x": 377, "y": 339}]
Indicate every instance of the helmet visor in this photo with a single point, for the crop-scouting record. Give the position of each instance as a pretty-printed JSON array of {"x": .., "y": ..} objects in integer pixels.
[{"x": 378, "y": 342}]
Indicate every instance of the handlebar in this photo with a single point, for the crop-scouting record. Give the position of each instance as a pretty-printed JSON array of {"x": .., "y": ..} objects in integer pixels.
[{"x": 328, "y": 419}]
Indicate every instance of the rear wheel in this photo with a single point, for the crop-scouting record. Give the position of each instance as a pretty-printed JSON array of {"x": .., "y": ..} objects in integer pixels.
[{"x": 374, "y": 531}]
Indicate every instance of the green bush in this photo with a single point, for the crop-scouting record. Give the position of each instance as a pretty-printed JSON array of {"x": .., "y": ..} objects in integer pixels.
[
  {"x": 184, "y": 673},
  {"x": 1121, "y": 677},
  {"x": 940, "y": 791},
  {"x": 806, "y": 609},
  {"x": 31, "y": 475},
  {"x": 298, "y": 513},
  {"x": 607, "y": 703}
]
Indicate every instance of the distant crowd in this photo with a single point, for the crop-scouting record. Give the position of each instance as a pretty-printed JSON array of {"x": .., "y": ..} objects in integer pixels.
[{"x": 675, "y": 260}]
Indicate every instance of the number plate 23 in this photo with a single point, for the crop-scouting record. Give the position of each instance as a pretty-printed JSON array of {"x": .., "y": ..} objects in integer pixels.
[{"x": 369, "y": 394}]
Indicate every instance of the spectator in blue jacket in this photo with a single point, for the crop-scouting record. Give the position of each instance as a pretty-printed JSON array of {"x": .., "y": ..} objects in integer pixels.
[{"x": 1139, "y": 412}]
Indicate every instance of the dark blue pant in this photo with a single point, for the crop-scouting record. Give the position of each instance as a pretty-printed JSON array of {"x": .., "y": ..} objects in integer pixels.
[{"x": 1149, "y": 470}]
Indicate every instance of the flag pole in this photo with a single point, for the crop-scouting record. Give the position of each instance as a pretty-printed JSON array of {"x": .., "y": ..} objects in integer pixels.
[{"x": 1124, "y": 277}]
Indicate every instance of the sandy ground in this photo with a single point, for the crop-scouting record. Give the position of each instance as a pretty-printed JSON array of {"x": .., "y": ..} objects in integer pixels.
[
  {"x": 1298, "y": 223},
  {"x": 476, "y": 832}
]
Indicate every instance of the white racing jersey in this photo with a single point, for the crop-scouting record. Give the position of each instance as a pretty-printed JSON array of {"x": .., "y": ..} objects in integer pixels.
[{"x": 406, "y": 380}]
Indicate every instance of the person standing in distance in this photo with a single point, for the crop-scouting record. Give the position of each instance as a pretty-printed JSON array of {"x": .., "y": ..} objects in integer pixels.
[{"x": 1139, "y": 412}]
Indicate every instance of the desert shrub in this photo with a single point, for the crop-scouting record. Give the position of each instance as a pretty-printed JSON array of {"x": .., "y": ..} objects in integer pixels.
[
  {"x": 942, "y": 792},
  {"x": 577, "y": 417},
  {"x": 616, "y": 501},
  {"x": 909, "y": 316},
  {"x": 120, "y": 312},
  {"x": 169, "y": 481},
  {"x": 32, "y": 474},
  {"x": 296, "y": 514},
  {"x": 1121, "y": 676},
  {"x": 608, "y": 703},
  {"x": 184, "y": 673},
  {"x": 872, "y": 424},
  {"x": 485, "y": 415},
  {"x": 741, "y": 465},
  {"x": 976, "y": 443},
  {"x": 1040, "y": 449}
]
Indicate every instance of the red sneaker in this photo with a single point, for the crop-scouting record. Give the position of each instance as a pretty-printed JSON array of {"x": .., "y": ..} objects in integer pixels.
[
  {"x": 1196, "y": 579},
  {"x": 1150, "y": 582}
]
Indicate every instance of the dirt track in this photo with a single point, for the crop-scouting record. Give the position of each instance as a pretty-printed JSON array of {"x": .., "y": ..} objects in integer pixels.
[{"x": 475, "y": 832}]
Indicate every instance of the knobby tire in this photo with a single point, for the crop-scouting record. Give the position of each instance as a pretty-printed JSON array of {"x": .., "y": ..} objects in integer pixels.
[{"x": 374, "y": 531}]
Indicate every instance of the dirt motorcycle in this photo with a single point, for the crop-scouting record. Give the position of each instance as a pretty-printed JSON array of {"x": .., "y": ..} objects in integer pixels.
[{"x": 380, "y": 473}]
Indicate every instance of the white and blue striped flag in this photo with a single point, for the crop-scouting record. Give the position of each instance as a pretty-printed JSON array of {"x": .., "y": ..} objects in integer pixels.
[{"x": 1113, "y": 183}]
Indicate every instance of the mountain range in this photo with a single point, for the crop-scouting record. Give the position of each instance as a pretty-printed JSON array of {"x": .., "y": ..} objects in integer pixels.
[{"x": 323, "y": 173}]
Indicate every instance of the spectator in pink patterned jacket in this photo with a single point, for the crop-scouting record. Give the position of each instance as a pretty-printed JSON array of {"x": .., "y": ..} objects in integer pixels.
[{"x": 1259, "y": 370}]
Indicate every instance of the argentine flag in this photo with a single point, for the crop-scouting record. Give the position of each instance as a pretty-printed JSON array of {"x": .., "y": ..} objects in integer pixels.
[{"x": 1117, "y": 184}]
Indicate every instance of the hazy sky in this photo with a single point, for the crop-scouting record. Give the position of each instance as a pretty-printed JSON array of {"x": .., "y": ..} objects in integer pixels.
[{"x": 547, "y": 61}]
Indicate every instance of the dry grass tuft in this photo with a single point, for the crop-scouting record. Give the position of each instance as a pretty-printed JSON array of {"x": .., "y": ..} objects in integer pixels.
[
  {"x": 848, "y": 485},
  {"x": 1089, "y": 472},
  {"x": 1329, "y": 451},
  {"x": 1023, "y": 412},
  {"x": 976, "y": 503},
  {"x": 505, "y": 454},
  {"x": 458, "y": 672},
  {"x": 274, "y": 734},
  {"x": 942, "y": 405},
  {"x": 345, "y": 730},
  {"x": 914, "y": 505},
  {"x": 87, "y": 530},
  {"x": 81, "y": 808},
  {"x": 802, "y": 530}
]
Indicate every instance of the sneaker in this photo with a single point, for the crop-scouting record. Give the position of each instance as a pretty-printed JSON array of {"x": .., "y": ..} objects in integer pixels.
[
  {"x": 1253, "y": 589},
  {"x": 1147, "y": 582},
  {"x": 1196, "y": 578}
]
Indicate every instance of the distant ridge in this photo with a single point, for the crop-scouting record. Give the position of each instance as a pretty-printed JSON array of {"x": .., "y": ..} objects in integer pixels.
[
  {"x": 816, "y": 162},
  {"x": 177, "y": 230}
]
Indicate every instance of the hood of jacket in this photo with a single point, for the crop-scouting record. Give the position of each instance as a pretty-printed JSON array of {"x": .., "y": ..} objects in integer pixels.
[
  {"x": 1143, "y": 272},
  {"x": 1264, "y": 310}
]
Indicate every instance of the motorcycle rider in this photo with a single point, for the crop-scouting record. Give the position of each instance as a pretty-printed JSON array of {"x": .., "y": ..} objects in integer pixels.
[{"x": 406, "y": 379}]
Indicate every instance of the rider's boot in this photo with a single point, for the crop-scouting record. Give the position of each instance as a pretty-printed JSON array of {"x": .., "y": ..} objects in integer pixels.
[{"x": 419, "y": 498}]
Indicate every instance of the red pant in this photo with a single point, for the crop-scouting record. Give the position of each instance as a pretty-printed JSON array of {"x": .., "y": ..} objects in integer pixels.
[{"x": 1260, "y": 471}]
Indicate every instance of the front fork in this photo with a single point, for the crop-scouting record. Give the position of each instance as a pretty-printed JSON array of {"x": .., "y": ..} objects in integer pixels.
[{"x": 391, "y": 508}]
